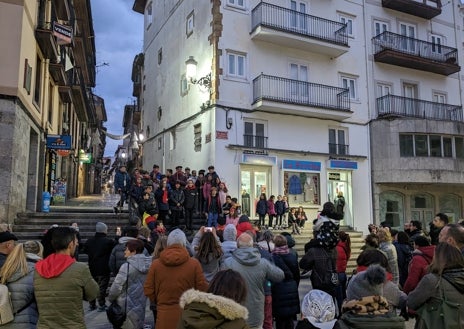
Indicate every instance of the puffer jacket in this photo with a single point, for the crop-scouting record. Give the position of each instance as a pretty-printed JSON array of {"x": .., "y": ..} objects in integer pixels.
[
  {"x": 21, "y": 288},
  {"x": 262, "y": 207},
  {"x": 138, "y": 266},
  {"x": 201, "y": 310},
  {"x": 176, "y": 196},
  {"x": 390, "y": 251},
  {"x": 421, "y": 258},
  {"x": 117, "y": 257},
  {"x": 71, "y": 282}
]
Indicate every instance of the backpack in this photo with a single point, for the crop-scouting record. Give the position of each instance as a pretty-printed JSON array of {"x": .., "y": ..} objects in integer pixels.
[{"x": 6, "y": 306}]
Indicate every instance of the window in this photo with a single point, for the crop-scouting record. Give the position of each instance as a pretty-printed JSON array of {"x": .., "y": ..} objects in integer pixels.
[
  {"x": 302, "y": 187},
  {"x": 184, "y": 86},
  {"x": 437, "y": 42},
  {"x": 383, "y": 89},
  {"x": 172, "y": 140},
  {"x": 197, "y": 137},
  {"x": 160, "y": 56},
  {"x": 299, "y": 73},
  {"x": 447, "y": 147},
  {"x": 160, "y": 143},
  {"x": 431, "y": 145},
  {"x": 337, "y": 142},
  {"x": 391, "y": 208},
  {"x": 409, "y": 32},
  {"x": 380, "y": 27},
  {"x": 50, "y": 104},
  {"x": 189, "y": 24},
  {"x": 27, "y": 76},
  {"x": 240, "y": 4},
  {"x": 459, "y": 146},
  {"x": 435, "y": 146},
  {"x": 298, "y": 15},
  {"x": 149, "y": 15},
  {"x": 348, "y": 20},
  {"x": 236, "y": 65},
  {"x": 421, "y": 146},
  {"x": 255, "y": 134},
  {"x": 406, "y": 146},
  {"x": 350, "y": 83},
  {"x": 38, "y": 81},
  {"x": 439, "y": 98}
]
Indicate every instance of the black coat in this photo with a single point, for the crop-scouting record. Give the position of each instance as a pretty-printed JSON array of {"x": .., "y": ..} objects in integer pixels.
[
  {"x": 285, "y": 297},
  {"x": 99, "y": 248},
  {"x": 190, "y": 197}
]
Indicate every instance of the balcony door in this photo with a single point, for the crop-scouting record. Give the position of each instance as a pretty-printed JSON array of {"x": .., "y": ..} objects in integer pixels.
[
  {"x": 299, "y": 87},
  {"x": 255, "y": 134},
  {"x": 409, "y": 31},
  {"x": 298, "y": 16},
  {"x": 410, "y": 94}
]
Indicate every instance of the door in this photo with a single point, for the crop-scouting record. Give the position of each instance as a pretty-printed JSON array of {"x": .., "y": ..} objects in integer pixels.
[
  {"x": 410, "y": 94},
  {"x": 298, "y": 16},
  {"x": 422, "y": 209},
  {"x": 300, "y": 87},
  {"x": 339, "y": 184},
  {"x": 254, "y": 181},
  {"x": 408, "y": 43}
]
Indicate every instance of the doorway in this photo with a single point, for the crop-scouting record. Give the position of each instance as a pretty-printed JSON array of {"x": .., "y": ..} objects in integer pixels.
[
  {"x": 340, "y": 182},
  {"x": 254, "y": 180}
]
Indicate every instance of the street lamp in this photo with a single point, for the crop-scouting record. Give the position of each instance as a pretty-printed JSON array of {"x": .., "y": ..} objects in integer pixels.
[{"x": 191, "y": 73}]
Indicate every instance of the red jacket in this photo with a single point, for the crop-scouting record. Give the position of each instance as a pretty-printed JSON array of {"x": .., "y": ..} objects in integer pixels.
[
  {"x": 342, "y": 257},
  {"x": 421, "y": 258}
]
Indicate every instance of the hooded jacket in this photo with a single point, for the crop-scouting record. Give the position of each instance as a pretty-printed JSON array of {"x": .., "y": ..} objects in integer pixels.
[
  {"x": 208, "y": 311},
  {"x": 99, "y": 248},
  {"x": 71, "y": 282},
  {"x": 168, "y": 278},
  {"x": 229, "y": 245},
  {"x": 21, "y": 290},
  {"x": 138, "y": 266},
  {"x": 452, "y": 282},
  {"x": 421, "y": 258},
  {"x": 255, "y": 270}
]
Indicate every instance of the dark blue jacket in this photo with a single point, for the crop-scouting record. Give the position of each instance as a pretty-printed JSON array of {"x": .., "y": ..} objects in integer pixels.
[
  {"x": 119, "y": 179},
  {"x": 285, "y": 297},
  {"x": 279, "y": 207},
  {"x": 261, "y": 207}
]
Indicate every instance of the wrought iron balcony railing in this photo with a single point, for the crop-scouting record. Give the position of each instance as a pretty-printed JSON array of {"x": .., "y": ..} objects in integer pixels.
[
  {"x": 282, "y": 90},
  {"x": 406, "y": 45},
  {"x": 255, "y": 141},
  {"x": 339, "y": 149},
  {"x": 389, "y": 105},
  {"x": 292, "y": 21}
]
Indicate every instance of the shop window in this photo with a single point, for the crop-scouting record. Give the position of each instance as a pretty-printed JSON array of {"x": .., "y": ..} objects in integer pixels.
[{"x": 302, "y": 187}]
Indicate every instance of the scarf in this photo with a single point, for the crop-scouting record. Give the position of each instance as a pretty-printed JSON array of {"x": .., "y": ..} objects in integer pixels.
[
  {"x": 282, "y": 250},
  {"x": 165, "y": 196}
]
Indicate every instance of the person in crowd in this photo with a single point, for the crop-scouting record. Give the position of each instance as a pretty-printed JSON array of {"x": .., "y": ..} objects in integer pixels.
[
  {"x": 178, "y": 176},
  {"x": 161, "y": 244},
  {"x": 318, "y": 311},
  {"x": 262, "y": 209},
  {"x": 280, "y": 211},
  {"x": 122, "y": 184},
  {"x": 292, "y": 221},
  {"x": 147, "y": 206},
  {"x": 290, "y": 242},
  {"x": 386, "y": 245},
  {"x": 422, "y": 256},
  {"x": 236, "y": 205},
  {"x": 372, "y": 229},
  {"x": 169, "y": 276},
  {"x": 46, "y": 241},
  {"x": 373, "y": 277},
  {"x": 327, "y": 225},
  {"x": 404, "y": 253},
  {"x": 162, "y": 200},
  {"x": 371, "y": 242},
  {"x": 446, "y": 279},
  {"x": 454, "y": 235},
  {"x": 229, "y": 244},
  {"x": 219, "y": 307},
  {"x": 70, "y": 281},
  {"x": 207, "y": 186},
  {"x": 214, "y": 176},
  {"x": 136, "y": 191},
  {"x": 300, "y": 216},
  {"x": 34, "y": 251},
  {"x": 190, "y": 203},
  {"x": 222, "y": 192},
  {"x": 98, "y": 248},
  {"x": 199, "y": 184},
  {"x": 176, "y": 204},
  {"x": 213, "y": 208},
  {"x": 286, "y": 211},
  {"x": 439, "y": 221},
  {"x": 271, "y": 213},
  {"x": 17, "y": 274},
  {"x": 7, "y": 244},
  {"x": 226, "y": 205},
  {"x": 155, "y": 176},
  {"x": 127, "y": 287},
  {"x": 244, "y": 225},
  {"x": 340, "y": 204},
  {"x": 415, "y": 229},
  {"x": 265, "y": 240},
  {"x": 232, "y": 217},
  {"x": 285, "y": 298},
  {"x": 207, "y": 249},
  {"x": 75, "y": 226},
  {"x": 247, "y": 261},
  {"x": 343, "y": 256},
  {"x": 145, "y": 237},
  {"x": 117, "y": 257}
]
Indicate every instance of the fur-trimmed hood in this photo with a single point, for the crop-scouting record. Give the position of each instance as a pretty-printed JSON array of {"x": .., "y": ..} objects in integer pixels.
[{"x": 228, "y": 308}]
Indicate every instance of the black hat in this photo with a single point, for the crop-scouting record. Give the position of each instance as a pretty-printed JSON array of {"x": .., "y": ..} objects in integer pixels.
[
  {"x": 7, "y": 236},
  {"x": 422, "y": 241}
]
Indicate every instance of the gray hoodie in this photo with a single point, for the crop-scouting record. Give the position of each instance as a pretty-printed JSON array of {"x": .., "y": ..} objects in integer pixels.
[
  {"x": 138, "y": 266},
  {"x": 255, "y": 270}
]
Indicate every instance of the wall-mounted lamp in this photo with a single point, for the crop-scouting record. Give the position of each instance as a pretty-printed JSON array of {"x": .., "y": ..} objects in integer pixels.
[
  {"x": 123, "y": 154},
  {"x": 191, "y": 73}
]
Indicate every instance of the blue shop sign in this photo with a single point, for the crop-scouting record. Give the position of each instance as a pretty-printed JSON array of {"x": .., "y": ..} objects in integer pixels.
[
  {"x": 301, "y": 165},
  {"x": 59, "y": 142},
  {"x": 342, "y": 164}
]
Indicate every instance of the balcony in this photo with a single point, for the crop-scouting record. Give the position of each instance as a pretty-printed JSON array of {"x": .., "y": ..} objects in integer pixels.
[
  {"x": 62, "y": 10},
  {"x": 65, "y": 94},
  {"x": 338, "y": 149},
  {"x": 255, "y": 141},
  {"x": 47, "y": 43},
  {"x": 398, "y": 106},
  {"x": 427, "y": 9},
  {"x": 290, "y": 28},
  {"x": 79, "y": 94},
  {"x": 281, "y": 95},
  {"x": 395, "y": 49},
  {"x": 58, "y": 74}
]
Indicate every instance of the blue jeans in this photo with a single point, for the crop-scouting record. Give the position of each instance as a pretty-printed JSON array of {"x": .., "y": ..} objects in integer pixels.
[
  {"x": 212, "y": 219},
  {"x": 341, "y": 290}
]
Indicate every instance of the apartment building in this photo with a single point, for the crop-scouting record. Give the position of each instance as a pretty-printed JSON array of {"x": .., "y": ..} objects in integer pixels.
[
  {"x": 415, "y": 90},
  {"x": 49, "y": 118}
]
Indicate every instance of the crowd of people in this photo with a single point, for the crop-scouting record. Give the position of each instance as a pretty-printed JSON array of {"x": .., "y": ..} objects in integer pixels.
[{"x": 234, "y": 274}]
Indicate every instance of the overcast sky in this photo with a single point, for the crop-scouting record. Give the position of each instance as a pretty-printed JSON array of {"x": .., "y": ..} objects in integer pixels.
[{"x": 118, "y": 38}]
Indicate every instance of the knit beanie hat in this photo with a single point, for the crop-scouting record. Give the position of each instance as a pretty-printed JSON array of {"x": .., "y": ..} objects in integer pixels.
[
  {"x": 101, "y": 228},
  {"x": 243, "y": 218},
  {"x": 177, "y": 236},
  {"x": 230, "y": 233}
]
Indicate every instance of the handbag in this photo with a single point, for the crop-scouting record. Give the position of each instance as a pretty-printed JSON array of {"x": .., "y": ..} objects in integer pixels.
[
  {"x": 115, "y": 313},
  {"x": 439, "y": 312}
]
